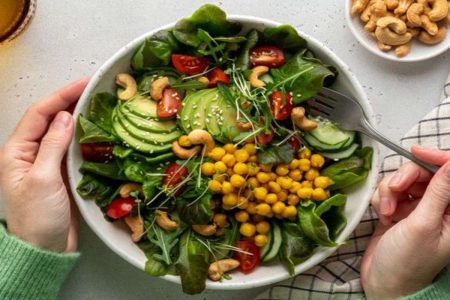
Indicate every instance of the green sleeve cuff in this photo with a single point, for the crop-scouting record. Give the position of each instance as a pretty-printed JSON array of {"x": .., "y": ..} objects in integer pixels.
[
  {"x": 27, "y": 272},
  {"x": 439, "y": 289}
]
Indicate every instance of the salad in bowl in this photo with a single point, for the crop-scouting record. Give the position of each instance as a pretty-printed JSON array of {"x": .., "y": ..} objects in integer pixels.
[{"x": 206, "y": 156}]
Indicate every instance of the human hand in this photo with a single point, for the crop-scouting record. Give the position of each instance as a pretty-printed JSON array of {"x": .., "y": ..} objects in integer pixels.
[
  {"x": 411, "y": 244},
  {"x": 36, "y": 202}
]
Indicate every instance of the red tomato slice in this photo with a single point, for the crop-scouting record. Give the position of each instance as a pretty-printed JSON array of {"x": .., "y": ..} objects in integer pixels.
[
  {"x": 97, "y": 152},
  {"x": 269, "y": 56},
  {"x": 281, "y": 104},
  {"x": 217, "y": 75},
  {"x": 264, "y": 138},
  {"x": 188, "y": 64},
  {"x": 247, "y": 262},
  {"x": 295, "y": 143},
  {"x": 120, "y": 207},
  {"x": 169, "y": 105},
  {"x": 175, "y": 174}
]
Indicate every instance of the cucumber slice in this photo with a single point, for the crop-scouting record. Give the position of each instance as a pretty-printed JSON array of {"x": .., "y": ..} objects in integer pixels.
[
  {"x": 276, "y": 243},
  {"x": 321, "y": 146},
  {"x": 267, "y": 247},
  {"x": 329, "y": 133},
  {"x": 341, "y": 154}
]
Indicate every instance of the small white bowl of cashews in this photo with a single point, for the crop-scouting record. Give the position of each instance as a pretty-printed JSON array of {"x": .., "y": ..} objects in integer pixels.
[{"x": 401, "y": 30}]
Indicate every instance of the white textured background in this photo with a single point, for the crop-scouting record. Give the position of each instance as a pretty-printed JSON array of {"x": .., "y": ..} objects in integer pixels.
[{"x": 70, "y": 39}]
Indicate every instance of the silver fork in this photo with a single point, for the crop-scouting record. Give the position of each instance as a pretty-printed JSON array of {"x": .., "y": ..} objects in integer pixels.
[{"x": 350, "y": 116}]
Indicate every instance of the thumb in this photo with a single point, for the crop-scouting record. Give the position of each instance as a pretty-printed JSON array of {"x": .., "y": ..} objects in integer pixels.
[
  {"x": 55, "y": 143},
  {"x": 437, "y": 196}
]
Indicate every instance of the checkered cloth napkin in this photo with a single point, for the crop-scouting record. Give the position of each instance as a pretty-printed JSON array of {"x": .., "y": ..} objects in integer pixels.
[{"x": 338, "y": 276}]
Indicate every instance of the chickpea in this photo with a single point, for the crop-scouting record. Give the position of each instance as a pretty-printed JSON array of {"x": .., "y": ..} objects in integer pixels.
[
  {"x": 295, "y": 187},
  {"x": 247, "y": 229},
  {"x": 305, "y": 153},
  {"x": 229, "y": 160},
  {"x": 319, "y": 194},
  {"x": 263, "y": 177},
  {"x": 240, "y": 168},
  {"x": 307, "y": 183},
  {"x": 263, "y": 209},
  {"x": 253, "y": 182},
  {"x": 217, "y": 153},
  {"x": 282, "y": 170},
  {"x": 290, "y": 212},
  {"x": 250, "y": 148},
  {"x": 322, "y": 182},
  {"x": 296, "y": 175},
  {"x": 271, "y": 198},
  {"x": 220, "y": 220},
  {"x": 253, "y": 158},
  {"x": 263, "y": 227},
  {"x": 208, "y": 169},
  {"x": 241, "y": 155},
  {"x": 227, "y": 188},
  {"x": 317, "y": 161},
  {"x": 304, "y": 164},
  {"x": 266, "y": 168},
  {"x": 260, "y": 193},
  {"x": 229, "y": 148},
  {"x": 237, "y": 181},
  {"x": 230, "y": 200},
  {"x": 253, "y": 169},
  {"x": 261, "y": 240},
  {"x": 294, "y": 164},
  {"x": 311, "y": 174},
  {"x": 278, "y": 208},
  {"x": 293, "y": 199},
  {"x": 220, "y": 167},
  {"x": 285, "y": 182},
  {"x": 241, "y": 216},
  {"x": 282, "y": 195},
  {"x": 215, "y": 186},
  {"x": 305, "y": 193},
  {"x": 251, "y": 208},
  {"x": 274, "y": 187}
]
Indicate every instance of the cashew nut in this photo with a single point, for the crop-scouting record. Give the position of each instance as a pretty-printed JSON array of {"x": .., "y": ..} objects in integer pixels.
[
  {"x": 218, "y": 268},
  {"x": 413, "y": 15},
  {"x": 391, "y": 4},
  {"x": 300, "y": 120},
  {"x": 365, "y": 15},
  {"x": 185, "y": 153},
  {"x": 205, "y": 230},
  {"x": 244, "y": 125},
  {"x": 254, "y": 76},
  {"x": 204, "y": 80},
  {"x": 383, "y": 47},
  {"x": 378, "y": 10},
  {"x": 428, "y": 39},
  {"x": 163, "y": 220},
  {"x": 389, "y": 37},
  {"x": 127, "y": 188},
  {"x": 403, "y": 50},
  {"x": 428, "y": 25},
  {"x": 128, "y": 83},
  {"x": 402, "y": 7},
  {"x": 439, "y": 10},
  {"x": 136, "y": 225},
  {"x": 157, "y": 88},
  {"x": 358, "y": 6},
  {"x": 393, "y": 23},
  {"x": 202, "y": 137}
]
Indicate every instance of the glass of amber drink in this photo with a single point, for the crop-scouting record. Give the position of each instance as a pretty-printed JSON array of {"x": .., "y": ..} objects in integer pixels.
[{"x": 15, "y": 15}]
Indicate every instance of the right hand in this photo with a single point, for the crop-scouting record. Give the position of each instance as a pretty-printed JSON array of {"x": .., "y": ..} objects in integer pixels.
[{"x": 411, "y": 245}]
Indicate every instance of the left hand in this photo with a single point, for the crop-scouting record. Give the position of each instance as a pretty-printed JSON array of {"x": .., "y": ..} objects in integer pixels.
[
  {"x": 411, "y": 245},
  {"x": 36, "y": 201}
]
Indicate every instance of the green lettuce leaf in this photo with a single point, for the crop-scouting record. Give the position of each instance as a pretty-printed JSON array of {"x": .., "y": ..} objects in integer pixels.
[
  {"x": 152, "y": 53},
  {"x": 243, "y": 58},
  {"x": 276, "y": 154},
  {"x": 301, "y": 75},
  {"x": 285, "y": 37},
  {"x": 100, "y": 109},
  {"x": 112, "y": 170},
  {"x": 89, "y": 132},
  {"x": 98, "y": 189},
  {"x": 198, "y": 212}
]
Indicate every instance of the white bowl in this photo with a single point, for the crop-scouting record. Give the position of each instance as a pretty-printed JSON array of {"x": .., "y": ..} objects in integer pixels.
[
  {"x": 419, "y": 51},
  {"x": 117, "y": 237}
]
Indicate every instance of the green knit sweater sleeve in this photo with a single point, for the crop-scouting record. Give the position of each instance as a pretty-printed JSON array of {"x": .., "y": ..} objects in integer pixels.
[
  {"x": 439, "y": 289},
  {"x": 27, "y": 272}
]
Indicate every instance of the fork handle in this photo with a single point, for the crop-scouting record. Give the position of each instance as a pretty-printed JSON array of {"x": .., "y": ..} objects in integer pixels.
[{"x": 370, "y": 131}]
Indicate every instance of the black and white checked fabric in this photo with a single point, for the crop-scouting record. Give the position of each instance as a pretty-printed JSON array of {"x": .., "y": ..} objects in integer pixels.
[{"x": 338, "y": 276}]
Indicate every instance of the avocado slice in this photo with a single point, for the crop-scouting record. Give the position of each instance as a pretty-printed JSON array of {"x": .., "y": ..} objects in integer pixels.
[
  {"x": 142, "y": 106},
  {"x": 135, "y": 143},
  {"x": 147, "y": 124},
  {"x": 227, "y": 123},
  {"x": 147, "y": 136}
]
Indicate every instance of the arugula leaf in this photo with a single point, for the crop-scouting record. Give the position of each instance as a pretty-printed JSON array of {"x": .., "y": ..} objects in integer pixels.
[
  {"x": 121, "y": 151},
  {"x": 296, "y": 246},
  {"x": 230, "y": 237},
  {"x": 166, "y": 241},
  {"x": 91, "y": 133},
  {"x": 150, "y": 187},
  {"x": 192, "y": 263},
  {"x": 243, "y": 58},
  {"x": 152, "y": 53},
  {"x": 192, "y": 84},
  {"x": 301, "y": 75},
  {"x": 153, "y": 267},
  {"x": 350, "y": 171},
  {"x": 100, "y": 109},
  {"x": 313, "y": 219},
  {"x": 112, "y": 170},
  {"x": 138, "y": 171},
  {"x": 285, "y": 37},
  {"x": 276, "y": 154}
]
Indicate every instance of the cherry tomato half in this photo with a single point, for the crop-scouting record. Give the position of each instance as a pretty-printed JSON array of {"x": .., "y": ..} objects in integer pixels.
[
  {"x": 247, "y": 262},
  {"x": 120, "y": 207},
  {"x": 269, "y": 56},
  {"x": 97, "y": 152},
  {"x": 188, "y": 64},
  {"x": 264, "y": 138},
  {"x": 217, "y": 75},
  {"x": 175, "y": 174},
  {"x": 281, "y": 104},
  {"x": 295, "y": 143},
  {"x": 169, "y": 105}
]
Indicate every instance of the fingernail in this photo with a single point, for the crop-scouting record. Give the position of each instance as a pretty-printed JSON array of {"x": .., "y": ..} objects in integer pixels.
[
  {"x": 62, "y": 121},
  {"x": 385, "y": 206},
  {"x": 396, "y": 179}
]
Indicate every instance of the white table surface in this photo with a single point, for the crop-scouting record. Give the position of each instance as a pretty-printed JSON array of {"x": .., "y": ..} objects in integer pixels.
[{"x": 70, "y": 39}]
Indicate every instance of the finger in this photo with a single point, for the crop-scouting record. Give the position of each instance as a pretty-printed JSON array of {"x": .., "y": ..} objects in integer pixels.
[
  {"x": 54, "y": 144},
  {"x": 433, "y": 156},
  {"x": 404, "y": 209},
  {"x": 437, "y": 196},
  {"x": 417, "y": 190},
  {"x": 72, "y": 237},
  {"x": 407, "y": 175},
  {"x": 388, "y": 198},
  {"x": 35, "y": 121},
  {"x": 376, "y": 203}
]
